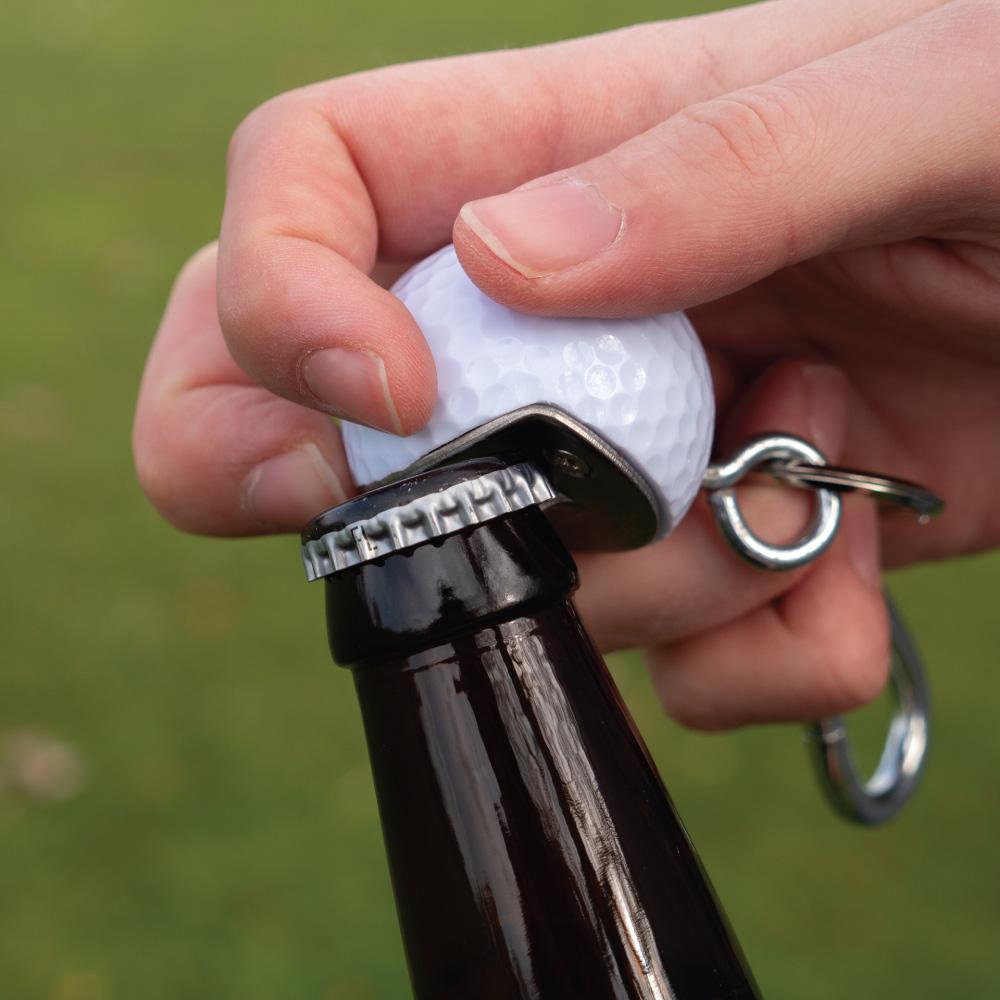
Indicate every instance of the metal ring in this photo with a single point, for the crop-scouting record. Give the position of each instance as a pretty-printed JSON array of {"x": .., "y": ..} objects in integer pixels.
[
  {"x": 910, "y": 496},
  {"x": 886, "y": 792},
  {"x": 720, "y": 481}
]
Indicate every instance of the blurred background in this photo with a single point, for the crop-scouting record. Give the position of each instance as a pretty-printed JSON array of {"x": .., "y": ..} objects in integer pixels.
[{"x": 185, "y": 803}]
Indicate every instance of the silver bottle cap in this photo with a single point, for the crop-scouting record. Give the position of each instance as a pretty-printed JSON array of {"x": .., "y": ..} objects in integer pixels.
[{"x": 463, "y": 504}]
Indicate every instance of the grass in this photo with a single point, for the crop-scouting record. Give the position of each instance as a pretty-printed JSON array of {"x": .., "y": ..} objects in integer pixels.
[{"x": 224, "y": 842}]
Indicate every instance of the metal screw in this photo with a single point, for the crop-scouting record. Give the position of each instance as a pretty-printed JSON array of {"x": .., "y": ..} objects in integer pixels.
[{"x": 569, "y": 464}]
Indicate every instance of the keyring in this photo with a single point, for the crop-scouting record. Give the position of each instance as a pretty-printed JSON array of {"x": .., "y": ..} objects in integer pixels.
[
  {"x": 900, "y": 492},
  {"x": 792, "y": 460},
  {"x": 767, "y": 450}
]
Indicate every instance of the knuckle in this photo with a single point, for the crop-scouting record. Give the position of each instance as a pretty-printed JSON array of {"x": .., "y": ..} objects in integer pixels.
[
  {"x": 260, "y": 320},
  {"x": 694, "y": 714},
  {"x": 276, "y": 131},
  {"x": 181, "y": 462},
  {"x": 750, "y": 142},
  {"x": 158, "y": 484},
  {"x": 197, "y": 274},
  {"x": 262, "y": 121},
  {"x": 855, "y": 670},
  {"x": 154, "y": 458},
  {"x": 689, "y": 706},
  {"x": 240, "y": 311},
  {"x": 145, "y": 465},
  {"x": 752, "y": 134}
]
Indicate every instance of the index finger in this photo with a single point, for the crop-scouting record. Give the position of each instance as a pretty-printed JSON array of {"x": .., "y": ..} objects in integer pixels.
[{"x": 324, "y": 180}]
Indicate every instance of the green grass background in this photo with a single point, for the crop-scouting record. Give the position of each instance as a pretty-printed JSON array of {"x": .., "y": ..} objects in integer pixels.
[{"x": 226, "y": 843}]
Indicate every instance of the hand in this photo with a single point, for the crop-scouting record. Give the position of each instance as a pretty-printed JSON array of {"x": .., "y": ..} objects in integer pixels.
[{"x": 818, "y": 183}]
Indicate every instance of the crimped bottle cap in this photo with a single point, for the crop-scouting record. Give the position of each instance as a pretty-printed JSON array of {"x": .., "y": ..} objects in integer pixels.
[{"x": 403, "y": 515}]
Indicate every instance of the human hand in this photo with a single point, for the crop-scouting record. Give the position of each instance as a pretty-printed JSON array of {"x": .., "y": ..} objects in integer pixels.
[{"x": 817, "y": 184}]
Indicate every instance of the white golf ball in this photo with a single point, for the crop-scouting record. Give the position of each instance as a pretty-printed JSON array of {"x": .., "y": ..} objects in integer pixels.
[{"x": 642, "y": 384}]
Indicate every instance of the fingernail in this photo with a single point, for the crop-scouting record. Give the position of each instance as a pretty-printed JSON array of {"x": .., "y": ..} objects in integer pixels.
[
  {"x": 291, "y": 488},
  {"x": 547, "y": 229},
  {"x": 825, "y": 406},
  {"x": 352, "y": 385},
  {"x": 861, "y": 531}
]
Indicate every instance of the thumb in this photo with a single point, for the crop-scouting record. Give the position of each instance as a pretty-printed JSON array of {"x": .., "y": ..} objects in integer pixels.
[{"x": 880, "y": 142}]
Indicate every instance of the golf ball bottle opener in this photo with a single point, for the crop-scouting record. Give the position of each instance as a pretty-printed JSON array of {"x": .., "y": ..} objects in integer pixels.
[
  {"x": 630, "y": 401},
  {"x": 533, "y": 847}
]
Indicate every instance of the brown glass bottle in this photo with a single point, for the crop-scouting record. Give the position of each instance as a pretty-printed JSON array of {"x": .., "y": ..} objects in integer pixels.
[{"x": 533, "y": 848}]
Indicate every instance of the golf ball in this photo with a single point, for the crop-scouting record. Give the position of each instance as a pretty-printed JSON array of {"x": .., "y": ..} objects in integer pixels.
[{"x": 642, "y": 384}]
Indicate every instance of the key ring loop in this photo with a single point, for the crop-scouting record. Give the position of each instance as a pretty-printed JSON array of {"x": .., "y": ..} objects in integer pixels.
[
  {"x": 720, "y": 481},
  {"x": 794, "y": 461},
  {"x": 899, "y": 768},
  {"x": 899, "y": 492}
]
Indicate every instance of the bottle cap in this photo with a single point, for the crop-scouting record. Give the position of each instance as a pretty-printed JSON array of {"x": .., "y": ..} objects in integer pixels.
[{"x": 419, "y": 509}]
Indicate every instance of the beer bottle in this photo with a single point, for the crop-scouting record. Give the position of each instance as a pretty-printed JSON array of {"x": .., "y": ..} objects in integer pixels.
[{"x": 533, "y": 849}]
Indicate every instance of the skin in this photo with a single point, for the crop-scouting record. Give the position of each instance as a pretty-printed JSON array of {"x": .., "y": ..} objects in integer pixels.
[{"x": 817, "y": 183}]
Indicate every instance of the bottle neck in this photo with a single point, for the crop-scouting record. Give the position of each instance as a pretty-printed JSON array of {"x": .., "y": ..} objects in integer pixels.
[{"x": 498, "y": 571}]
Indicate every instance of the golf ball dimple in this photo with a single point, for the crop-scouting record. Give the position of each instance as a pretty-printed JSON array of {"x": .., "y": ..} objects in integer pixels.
[{"x": 642, "y": 384}]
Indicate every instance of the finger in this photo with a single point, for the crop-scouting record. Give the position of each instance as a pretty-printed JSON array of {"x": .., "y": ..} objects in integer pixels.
[
  {"x": 691, "y": 581},
  {"x": 323, "y": 179},
  {"x": 821, "y": 649},
  {"x": 864, "y": 145},
  {"x": 214, "y": 452}
]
